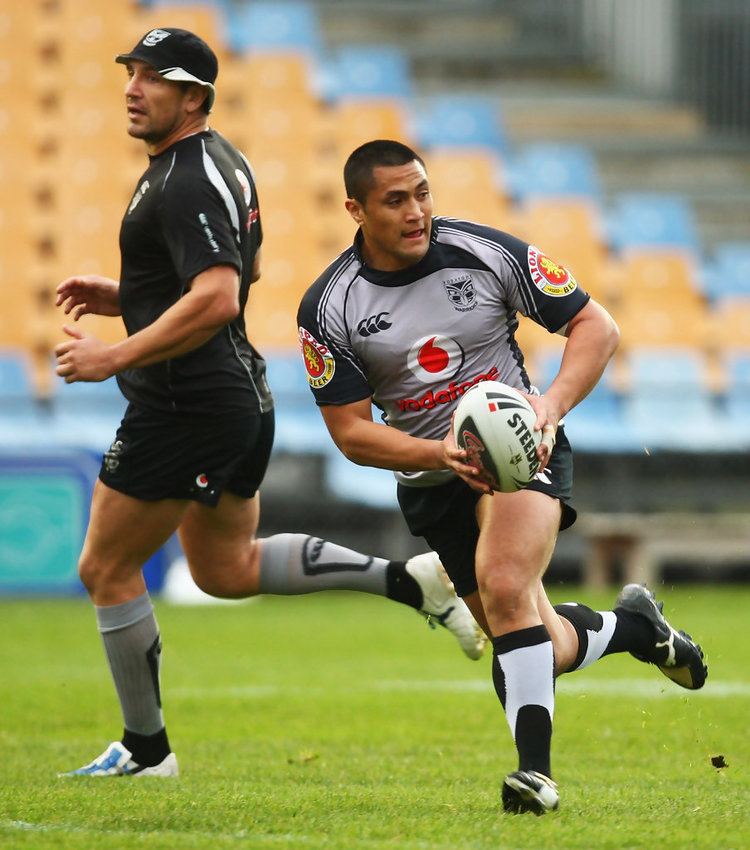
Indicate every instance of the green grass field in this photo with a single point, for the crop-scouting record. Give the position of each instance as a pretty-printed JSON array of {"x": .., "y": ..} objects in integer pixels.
[{"x": 341, "y": 722}]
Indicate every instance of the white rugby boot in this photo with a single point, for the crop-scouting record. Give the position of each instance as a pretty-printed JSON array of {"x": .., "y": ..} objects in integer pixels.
[
  {"x": 117, "y": 760},
  {"x": 441, "y": 605}
]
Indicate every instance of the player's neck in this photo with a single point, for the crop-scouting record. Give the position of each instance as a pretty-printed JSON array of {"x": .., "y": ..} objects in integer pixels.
[{"x": 190, "y": 128}]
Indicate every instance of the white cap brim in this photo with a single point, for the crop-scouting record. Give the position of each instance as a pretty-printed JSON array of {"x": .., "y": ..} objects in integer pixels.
[{"x": 180, "y": 75}]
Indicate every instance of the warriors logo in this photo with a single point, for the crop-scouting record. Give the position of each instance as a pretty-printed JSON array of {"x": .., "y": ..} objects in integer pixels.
[
  {"x": 319, "y": 362},
  {"x": 548, "y": 276},
  {"x": 461, "y": 293}
]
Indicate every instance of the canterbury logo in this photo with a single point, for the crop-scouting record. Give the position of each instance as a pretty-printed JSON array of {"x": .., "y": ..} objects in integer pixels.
[{"x": 373, "y": 325}]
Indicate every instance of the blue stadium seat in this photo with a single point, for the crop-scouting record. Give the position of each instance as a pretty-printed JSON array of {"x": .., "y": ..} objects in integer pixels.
[
  {"x": 22, "y": 418},
  {"x": 671, "y": 369},
  {"x": 462, "y": 121},
  {"x": 554, "y": 170},
  {"x": 737, "y": 397},
  {"x": 652, "y": 220},
  {"x": 86, "y": 414},
  {"x": 370, "y": 71},
  {"x": 273, "y": 25},
  {"x": 669, "y": 405},
  {"x": 299, "y": 426},
  {"x": 596, "y": 424},
  {"x": 728, "y": 274},
  {"x": 363, "y": 485}
]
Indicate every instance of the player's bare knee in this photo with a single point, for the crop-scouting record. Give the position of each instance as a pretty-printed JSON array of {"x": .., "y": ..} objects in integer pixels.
[{"x": 504, "y": 592}]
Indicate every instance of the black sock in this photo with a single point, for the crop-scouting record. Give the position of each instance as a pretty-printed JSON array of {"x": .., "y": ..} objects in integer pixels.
[
  {"x": 633, "y": 633},
  {"x": 147, "y": 750},
  {"x": 401, "y": 586},
  {"x": 603, "y": 633}
]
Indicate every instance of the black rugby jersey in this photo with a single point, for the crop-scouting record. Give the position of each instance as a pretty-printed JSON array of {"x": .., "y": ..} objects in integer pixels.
[
  {"x": 195, "y": 207},
  {"x": 416, "y": 339}
]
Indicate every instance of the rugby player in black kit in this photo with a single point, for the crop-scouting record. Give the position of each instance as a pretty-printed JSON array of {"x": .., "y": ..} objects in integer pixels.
[
  {"x": 195, "y": 440},
  {"x": 418, "y": 310}
]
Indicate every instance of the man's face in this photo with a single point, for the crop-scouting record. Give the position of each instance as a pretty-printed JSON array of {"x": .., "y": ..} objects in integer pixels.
[
  {"x": 396, "y": 217},
  {"x": 156, "y": 107}
]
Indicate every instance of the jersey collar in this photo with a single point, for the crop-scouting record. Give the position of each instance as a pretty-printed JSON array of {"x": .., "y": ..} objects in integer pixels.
[{"x": 425, "y": 266}]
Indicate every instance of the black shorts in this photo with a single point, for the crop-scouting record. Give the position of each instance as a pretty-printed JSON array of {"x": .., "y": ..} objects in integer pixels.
[
  {"x": 445, "y": 515},
  {"x": 164, "y": 456}
]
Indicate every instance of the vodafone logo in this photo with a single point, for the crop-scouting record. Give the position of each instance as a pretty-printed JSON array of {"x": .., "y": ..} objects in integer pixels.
[{"x": 435, "y": 358}]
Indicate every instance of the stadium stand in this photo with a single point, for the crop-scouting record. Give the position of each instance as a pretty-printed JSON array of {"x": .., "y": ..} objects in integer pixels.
[
  {"x": 654, "y": 220},
  {"x": 553, "y": 171},
  {"x": 637, "y": 252},
  {"x": 467, "y": 183},
  {"x": 270, "y": 26},
  {"x": 727, "y": 273},
  {"x": 370, "y": 71},
  {"x": 464, "y": 121}
]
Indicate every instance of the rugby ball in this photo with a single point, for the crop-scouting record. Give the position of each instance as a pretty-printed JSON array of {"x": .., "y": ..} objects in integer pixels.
[{"x": 494, "y": 423}]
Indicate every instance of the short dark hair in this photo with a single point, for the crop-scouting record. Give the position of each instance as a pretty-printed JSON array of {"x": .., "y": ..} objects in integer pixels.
[{"x": 369, "y": 156}]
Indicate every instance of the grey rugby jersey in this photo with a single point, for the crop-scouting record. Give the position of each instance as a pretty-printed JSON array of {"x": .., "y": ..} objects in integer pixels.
[{"x": 415, "y": 340}]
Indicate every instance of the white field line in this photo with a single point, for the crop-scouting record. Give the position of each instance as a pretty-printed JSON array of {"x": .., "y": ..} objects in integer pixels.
[
  {"x": 656, "y": 688},
  {"x": 263, "y": 839}
]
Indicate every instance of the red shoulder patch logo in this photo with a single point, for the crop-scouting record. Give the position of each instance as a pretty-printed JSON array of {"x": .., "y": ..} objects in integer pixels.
[
  {"x": 548, "y": 276},
  {"x": 319, "y": 362}
]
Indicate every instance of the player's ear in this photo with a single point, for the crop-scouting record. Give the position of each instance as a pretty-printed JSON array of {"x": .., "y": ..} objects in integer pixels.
[
  {"x": 354, "y": 208},
  {"x": 195, "y": 96}
]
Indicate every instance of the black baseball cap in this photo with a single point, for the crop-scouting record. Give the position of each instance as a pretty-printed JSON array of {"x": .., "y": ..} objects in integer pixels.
[{"x": 177, "y": 55}]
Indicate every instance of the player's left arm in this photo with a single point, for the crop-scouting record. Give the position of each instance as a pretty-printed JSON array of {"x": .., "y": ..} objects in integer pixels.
[
  {"x": 592, "y": 338},
  {"x": 211, "y": 302}
]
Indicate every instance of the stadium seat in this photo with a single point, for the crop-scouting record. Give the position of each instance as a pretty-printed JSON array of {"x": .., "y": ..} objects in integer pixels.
[
  {"x": 652, "y": 220},
  {"x": 679, "y": 323},
  {"x": 554, "y": 171},
  {"x": 658, "y": 278},
  {"x": 672, "y": 369},
  {"x": 22, "y": 419},
  {"x": 737, "y": 396},
  {"x": 669, "y": 405},
  {"x": 86, "y": 414},
  {"x": 299, "y": 426},
  {"x": 730, "y": 323},
  {"x": 362, "y": 485},
  {"x": 728, "y": 274},
  {"x": 267, "y": 25},
  {"x": 461, "y": 120},
  {"x": 570, "y": 231},
  {"x": 359, "y": 121},
  {"x": 597, "y": 424},
  {"x": 468, "y": 183},
  {"x": 369, "y": 71}
]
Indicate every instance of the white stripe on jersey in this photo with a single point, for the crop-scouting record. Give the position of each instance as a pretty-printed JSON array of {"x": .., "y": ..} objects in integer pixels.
[
  {"x": 523, "y": 287},
  {"x": 214, "y": 175},
  {"x": 171, "y": 166},
  {"x": 334, "y": 281}
]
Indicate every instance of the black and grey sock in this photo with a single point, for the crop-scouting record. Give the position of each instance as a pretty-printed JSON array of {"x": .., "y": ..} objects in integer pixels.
[
  {"x": 291, "y": 564},
  {"x": 133, "y": 648}
]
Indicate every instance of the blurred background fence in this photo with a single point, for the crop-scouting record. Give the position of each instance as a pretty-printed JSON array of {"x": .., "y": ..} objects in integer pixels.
[{"x": 613, "y": 134}]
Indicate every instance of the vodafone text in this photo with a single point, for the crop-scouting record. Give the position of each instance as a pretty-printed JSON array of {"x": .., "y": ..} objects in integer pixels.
[{"x": 445, "y": 396}]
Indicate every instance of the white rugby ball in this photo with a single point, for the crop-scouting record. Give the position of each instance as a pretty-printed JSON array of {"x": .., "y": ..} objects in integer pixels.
[{"x": 494, "y": 423}]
